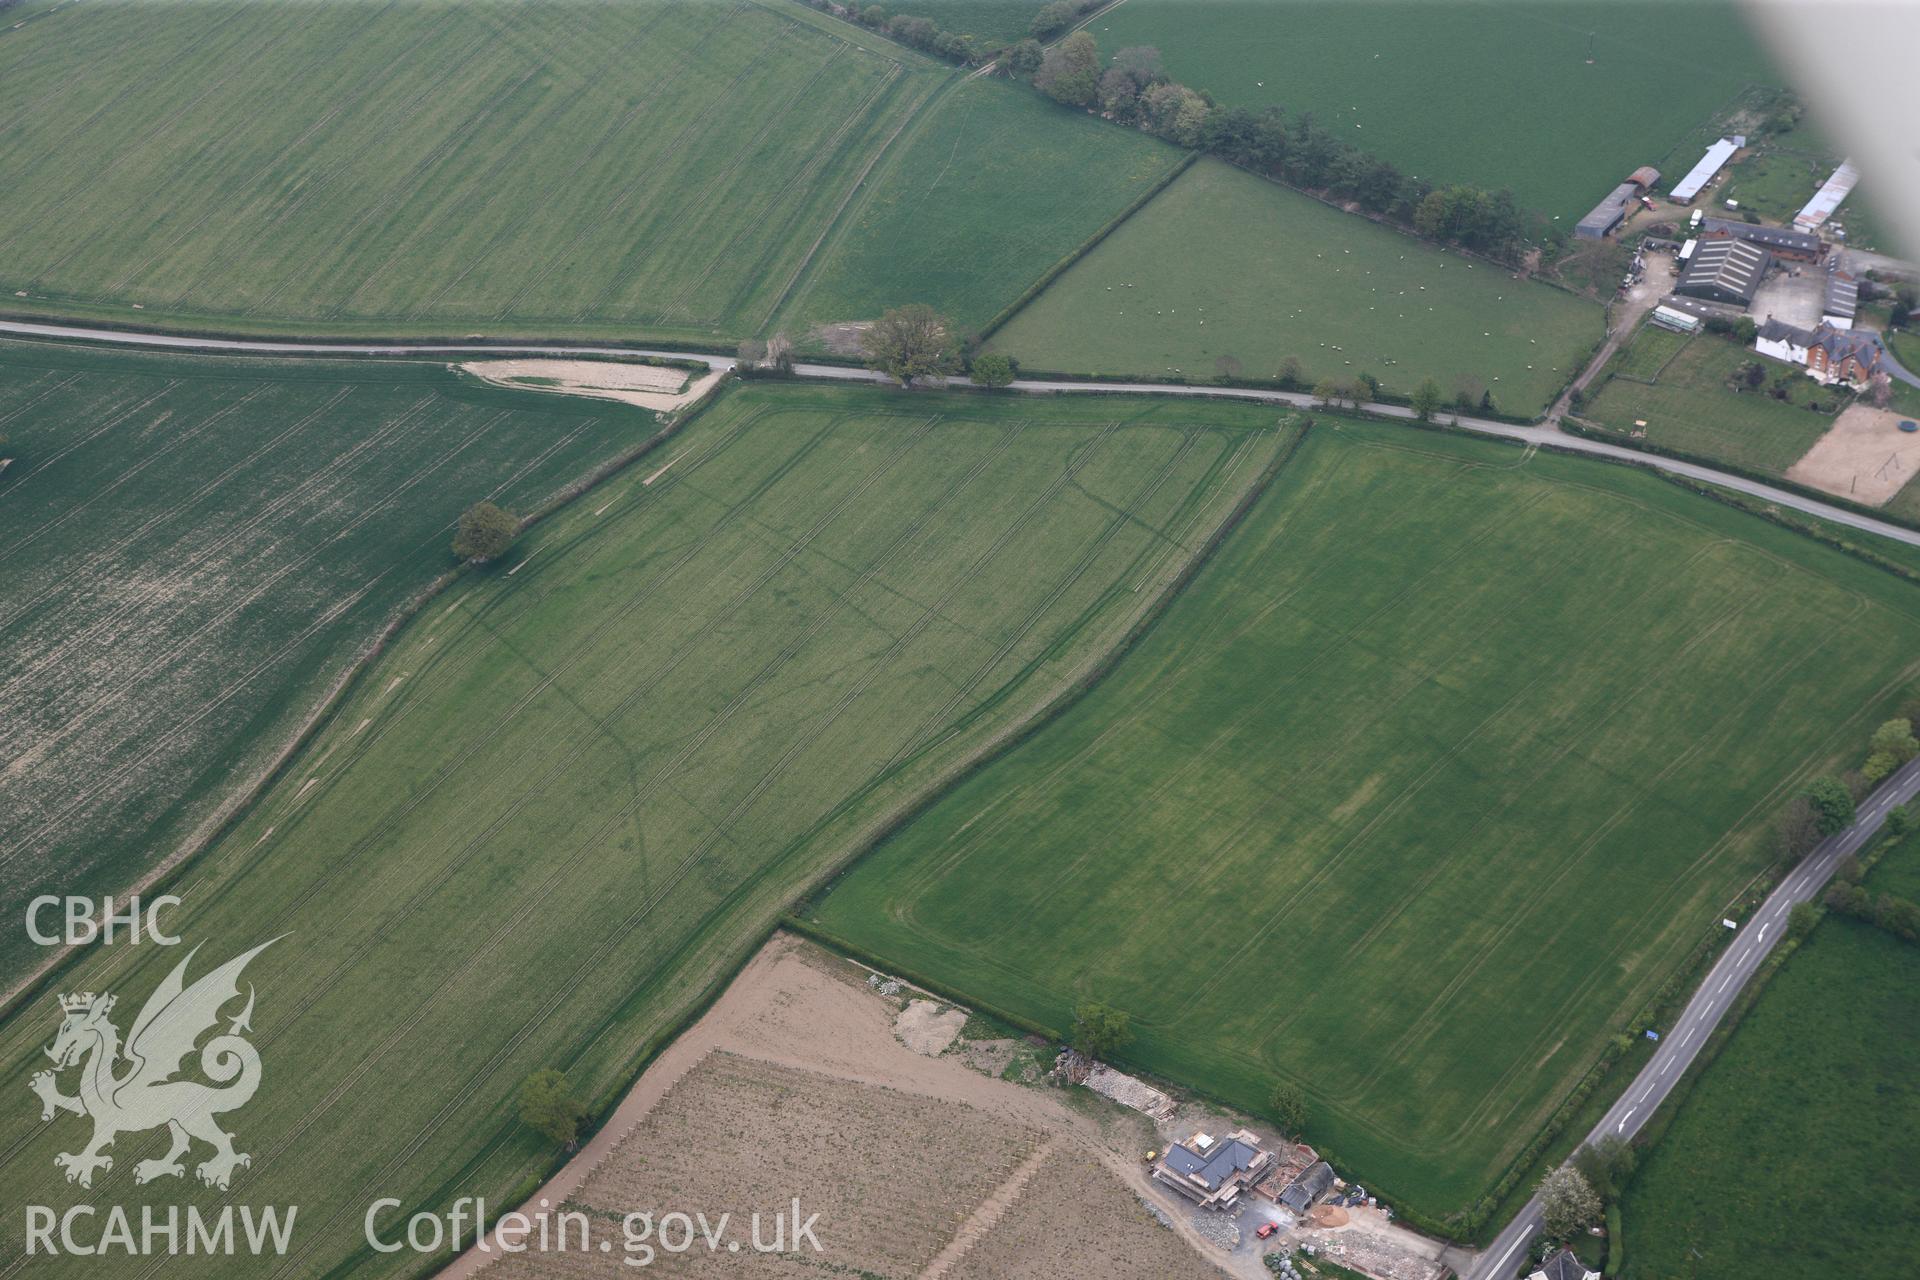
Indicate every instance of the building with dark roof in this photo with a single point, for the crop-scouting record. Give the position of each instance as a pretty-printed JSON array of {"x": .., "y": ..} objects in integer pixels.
[
  {"x": 1827, "y": 353},
  {"x": 1308, "y": 1187},
  {"x": 1797, "y": 245},
  {"x": 1210, "y": 1172},
  {"x": 1609, "y": 213},
  {"x": 1725, "y": 270},
  {"x": 1563, "y": 1266}
]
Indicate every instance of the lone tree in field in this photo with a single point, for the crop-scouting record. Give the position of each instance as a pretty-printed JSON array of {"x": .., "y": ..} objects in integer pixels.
[
  {"x": 1100, "y": 1030},
  {"x": 1289, "y": 1107},
  {"x": 1832, "y": 805},
  {"x": 910, "y": 342},
  {"x": 1567, "y": 1203},
  {"x": 1426, "y": 399},
  {"x": 993, "y": 371},
  {"x": 547, "y": 1105},
  {"x": 485, "y": 532}
]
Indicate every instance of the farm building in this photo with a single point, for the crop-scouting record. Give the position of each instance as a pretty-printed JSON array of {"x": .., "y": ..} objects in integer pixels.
[
  {"x": 1610, "y": 212},
  {"x": 1210, "y": 1172},
  {"x": 1702, "y": 173},
  {"x": 1797, "y": 245},
  {"x": 1827, "y": 199},
  {"x": 1677, "y": 321},
  {"x": 1563, "y": 1266},
  {"x": 1842, "y": 298},
  {"x": 1725, "y": 270},
  {"x": 1828, "y": 354},
  {"x": 1304, "y": 1190}
]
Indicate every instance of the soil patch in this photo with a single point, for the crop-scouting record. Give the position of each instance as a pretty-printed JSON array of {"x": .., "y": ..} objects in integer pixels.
[
  {"x": 842, "y": 339},
  {"x": 1863, "y": 456},
  {"x": 650, "y": 386},
  {"x": 925, "y": 1027}
]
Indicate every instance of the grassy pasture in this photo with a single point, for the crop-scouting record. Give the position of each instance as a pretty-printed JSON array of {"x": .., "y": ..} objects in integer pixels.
[
  {"x": 1692, "y": 408},
  {"x": 191, "y": 550},
  {"x": 1808, "y": 1111},
  {"x": 1415, "y": 796},
  {"x": 658, "y": 167},
  {"x": 1648, "y": 352},
  {"x": 1224, "y": 264},
  {"x": 1491, "y": 92},
  {"x": 977, "y": 200},
  {"x": 578, "y": 789}
]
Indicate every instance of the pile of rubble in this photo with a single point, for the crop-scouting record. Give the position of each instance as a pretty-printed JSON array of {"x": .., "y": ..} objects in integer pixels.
[
  {"x": 1075, "y": 1068},
  {"x": 1218, "y": 1228}
]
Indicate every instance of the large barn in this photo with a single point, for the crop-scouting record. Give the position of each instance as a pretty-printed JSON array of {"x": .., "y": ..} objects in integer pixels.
[{"x": 1725, "y": 270}]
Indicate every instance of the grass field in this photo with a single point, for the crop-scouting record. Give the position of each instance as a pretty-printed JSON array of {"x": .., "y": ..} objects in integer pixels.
[
  {"x": 1494, "y": 93},
  {"x": 577, "y": 790},
  {"x": 193, "y": 550},
  {"x": 1648, "y": 352},
  {"x": 979, "y": 199},
  {"x": 1415, "y": 796},
  {"x": 658, "y": 167},
  {"x": 1796, "y": 1144},
  {"x": 1223, "y": 264},
  {"x": 1692, "y": 408}
]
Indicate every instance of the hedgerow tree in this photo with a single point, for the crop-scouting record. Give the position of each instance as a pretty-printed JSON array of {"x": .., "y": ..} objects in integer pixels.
[
  {"x": 1289, "y": 1106},
  {"x": 910, "y": 342},
  {"x": 1426, "y": 399},
  {"x": 1892, "y": 745},
  {"x": 1832, "y": 805},
  {"x": 1606, "y": 1165},
  {"x": 485, "y": 532},
  {"x": 1099, "y": 1029},
  {"x": 548, "y": 1106},
  {"x": 1567, "y": 1203},
  {"x": 1070, "y": 72},
  {"x": 992, "y": 370}
]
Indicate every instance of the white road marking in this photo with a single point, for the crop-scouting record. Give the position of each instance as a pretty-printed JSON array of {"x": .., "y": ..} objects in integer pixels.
[
  {"x": 1763, "y": 931},
  {"x": 1622, "y": 1126},
  {"x": 1509, "y": 1253}
]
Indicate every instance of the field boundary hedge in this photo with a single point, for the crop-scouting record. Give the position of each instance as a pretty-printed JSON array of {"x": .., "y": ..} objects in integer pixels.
[
  {"x": 1085, "y": 247},
  {"x": 1575, "y": 426}
]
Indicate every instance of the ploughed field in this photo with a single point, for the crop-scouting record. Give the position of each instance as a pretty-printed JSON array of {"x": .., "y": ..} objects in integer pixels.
[
  {"x": 191, "y": 551},
  {"x": 1495, "y": 93},
  {"x": 1224, "y": 266},
  {"x": 579, "y": 788},
  {"x": 1418, "y": 793}
]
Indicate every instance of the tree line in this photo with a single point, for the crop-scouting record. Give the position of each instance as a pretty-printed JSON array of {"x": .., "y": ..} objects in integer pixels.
[{"x": 1132, "y": 88}]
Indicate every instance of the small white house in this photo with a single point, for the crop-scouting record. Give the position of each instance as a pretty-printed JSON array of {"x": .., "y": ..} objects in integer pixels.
[{"x": 1783, "y": 342}]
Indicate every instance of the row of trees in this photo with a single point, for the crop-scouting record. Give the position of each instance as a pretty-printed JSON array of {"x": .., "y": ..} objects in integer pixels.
[{"x": 1134, "y": 89}]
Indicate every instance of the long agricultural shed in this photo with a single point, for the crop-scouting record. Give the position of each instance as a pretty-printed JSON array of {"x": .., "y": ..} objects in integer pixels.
[
  {"x": 1827, "y": 199},
  {"x": 1697, "y": 177}
]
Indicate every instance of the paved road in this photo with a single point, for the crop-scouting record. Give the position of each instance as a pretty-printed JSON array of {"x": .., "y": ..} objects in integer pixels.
[
  {"x": 1541, "y": 435},
  {"x": 1681, "y": 1042}
]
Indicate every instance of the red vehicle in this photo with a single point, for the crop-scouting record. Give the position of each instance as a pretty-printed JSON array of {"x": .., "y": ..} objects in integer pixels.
[{"x": 1267, "y": 1229}]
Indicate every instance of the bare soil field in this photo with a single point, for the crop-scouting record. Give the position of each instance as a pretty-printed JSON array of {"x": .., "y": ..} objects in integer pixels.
[
  {"x": 797, "y": 1083},
  {"x": 649, "y": 386},
  {"x": 1863, "y": 456}
]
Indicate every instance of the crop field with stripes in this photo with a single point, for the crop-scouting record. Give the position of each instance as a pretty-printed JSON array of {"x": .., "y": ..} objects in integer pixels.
[
  {"x": 1414, "y": 797},
  {"x": 577, "y": 790},
  {"x": 663, "y": 166},
  {"x": 192, "y": 550}
]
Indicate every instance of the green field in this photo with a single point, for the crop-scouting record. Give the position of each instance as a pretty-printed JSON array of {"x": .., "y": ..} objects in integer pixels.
[
  {"x": 1223, "y": 264},
  {"x": 1693, "y": 409},
  {"x": 194, "y": 549},
  {"x": 1496, "y": 93},
  {"x": 976, "y": 201},
  {"x": 1797, "y": 1143},
  {"x": 578, "y": 789},
  {"x": 659, "y": 167},
  {"x": 1415, "y": 796},
  {"x": 1647, "y": 353}
]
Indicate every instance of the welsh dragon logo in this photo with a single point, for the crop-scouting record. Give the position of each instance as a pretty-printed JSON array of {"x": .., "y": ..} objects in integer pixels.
[{"x": 142, "y": 1094}]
